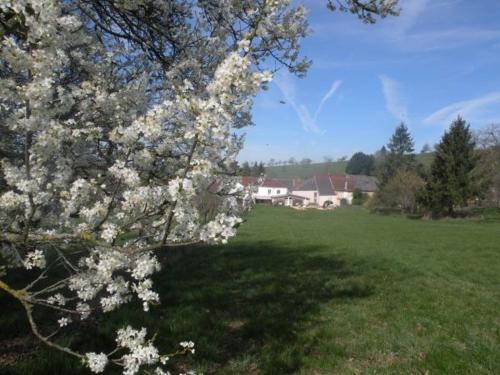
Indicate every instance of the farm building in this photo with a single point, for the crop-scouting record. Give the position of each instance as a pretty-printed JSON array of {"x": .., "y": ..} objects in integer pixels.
[
  {"x": 334, "y": 190},
  {"x": 321, "y": 190},
  {"x": 271, "y": 190}
]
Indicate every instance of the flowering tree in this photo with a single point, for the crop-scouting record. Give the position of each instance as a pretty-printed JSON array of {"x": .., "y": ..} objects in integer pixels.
[
  {"x": 122, "y": 112},
  {"x": 116, "y": 116}
]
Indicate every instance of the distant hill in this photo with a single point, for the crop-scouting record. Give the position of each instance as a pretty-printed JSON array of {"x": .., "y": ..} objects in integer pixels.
[
  {"x": 305, "y": 171},
  {"x": 426, "y": 159},
  {"x": 335, "y": 167}
]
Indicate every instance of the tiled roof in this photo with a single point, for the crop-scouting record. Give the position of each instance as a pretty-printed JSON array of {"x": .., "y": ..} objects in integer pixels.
[
  {"x": 365, "y": 183},
  {"x": 273, "y": 183},
  {"x": 342, "y": 182},
  {"x": 324, "y": 183},
  {"x": 330, "y": 184},
  {"x": 249, "y": 181},
  {"x": 309, "y": 184}
]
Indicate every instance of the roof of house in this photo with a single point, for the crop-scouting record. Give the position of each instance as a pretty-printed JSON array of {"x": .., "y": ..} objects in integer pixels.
[
  {"x": 325, "y": 184},
  {"x": 309, "y": 184},
  {"x": 273, "y": 183},
  {"x": 249, "y": 180},
  {"x": 365, "y": 183},
  {"x": 330, "y": 184},
  {"x": 342, "y": 182}
]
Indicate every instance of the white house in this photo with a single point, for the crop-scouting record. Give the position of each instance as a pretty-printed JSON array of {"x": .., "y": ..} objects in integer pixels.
[
  {"x": 325, "y": 190},
  {"x": 322, "y": 190},
  {"x": 273, "y": 190}
]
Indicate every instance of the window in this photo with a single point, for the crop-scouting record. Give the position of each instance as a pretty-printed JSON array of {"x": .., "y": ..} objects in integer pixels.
[
  {"x": 277, "y": 191},
  {"x": 269, "y": 191}
]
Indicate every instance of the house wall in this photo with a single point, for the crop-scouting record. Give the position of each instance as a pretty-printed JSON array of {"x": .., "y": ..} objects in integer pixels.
[
  {"x": 347, "y": 195},
  {"x": 324, "y": 198},
  {"x": 264, "y": 191},
  {"x": 307, "y": 194},
  {"x": 321, "y": 199}
]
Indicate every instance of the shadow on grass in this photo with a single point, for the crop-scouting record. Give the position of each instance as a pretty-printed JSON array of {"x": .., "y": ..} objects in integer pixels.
[{"x": 247, "y": 307}]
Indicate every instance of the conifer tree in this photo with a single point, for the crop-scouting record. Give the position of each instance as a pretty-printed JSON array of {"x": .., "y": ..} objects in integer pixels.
[
  {"x": 451, "y": 181},
  {"x": 401, "y": 142},
  {"x": 400, "y": 155}
]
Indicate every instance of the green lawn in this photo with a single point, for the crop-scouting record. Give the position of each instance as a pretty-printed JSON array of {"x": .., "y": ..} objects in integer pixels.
[{"x": 328, "y": 292}]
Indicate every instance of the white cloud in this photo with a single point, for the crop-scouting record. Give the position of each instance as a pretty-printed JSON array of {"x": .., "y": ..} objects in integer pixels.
[
  {"x": 393, "y": 101},
  {"x": 410, "y": 12},
  {"x": 407, "y": 37},
  {"x": 287, "y": 87},
  {"x": 446, "y": 39},
  {"x": 416, "y": 29},
  {"x": 467, "y": 108},
  {"x": 335, "y": 86}
]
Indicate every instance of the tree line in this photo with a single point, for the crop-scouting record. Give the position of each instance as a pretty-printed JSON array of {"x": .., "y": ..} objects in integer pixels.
[{"x": 465, "y": 172}]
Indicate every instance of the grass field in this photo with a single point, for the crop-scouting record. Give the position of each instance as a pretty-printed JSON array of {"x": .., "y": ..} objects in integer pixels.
[
  {"x": 336, "y": 167},
  {"x": 305, "y": 171},
  {"x": 324, "y": 292}
]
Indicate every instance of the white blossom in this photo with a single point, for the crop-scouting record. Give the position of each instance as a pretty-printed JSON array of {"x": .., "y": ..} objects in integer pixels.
[
  {"x": 83, "y": 309},
  {"x": 120, "y": 147},
  {"x": 188, "y": 345},
  {"x": 64, "y": 321},
  {"x": 35, "y": 259},
  {"x": 130, "y": 338},
  {"x": 57, "y": 299},
  {"x": 96, "y": 362}
]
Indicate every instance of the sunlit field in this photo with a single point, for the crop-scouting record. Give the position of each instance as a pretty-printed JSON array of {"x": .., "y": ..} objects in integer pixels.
[{"x": 315, "y": 292}]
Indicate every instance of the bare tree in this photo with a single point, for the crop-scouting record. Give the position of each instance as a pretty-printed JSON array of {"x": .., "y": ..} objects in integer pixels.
[{"x": 488, "y": 140}]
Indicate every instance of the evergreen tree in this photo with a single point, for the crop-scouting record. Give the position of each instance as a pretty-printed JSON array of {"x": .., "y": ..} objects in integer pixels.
[
  {"x": 399, "y": 156},
  {"x": 361, "y": 163},
  {"x": 401, "y": 142},
  {"x": 451, "y": 183}
]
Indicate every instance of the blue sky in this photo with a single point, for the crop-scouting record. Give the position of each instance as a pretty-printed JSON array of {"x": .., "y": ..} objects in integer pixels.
[{"x": 438, "y": 59}]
